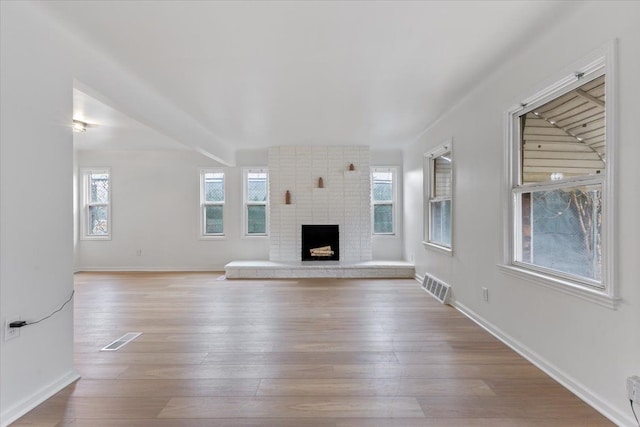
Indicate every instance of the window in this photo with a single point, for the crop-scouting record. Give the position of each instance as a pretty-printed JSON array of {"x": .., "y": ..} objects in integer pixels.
[
  {"x": 96, "y": 214},
  {"x": 560, "y": 184},
  {"x": 383, "y": 195},
  {"x": 256, "y": 201},
  {"x": 212, "y": 194},
  {"x": 438, "y": 187}
]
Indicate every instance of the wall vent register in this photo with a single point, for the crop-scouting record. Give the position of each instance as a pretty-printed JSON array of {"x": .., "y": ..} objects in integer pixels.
[{"x": 436, "y": 288}]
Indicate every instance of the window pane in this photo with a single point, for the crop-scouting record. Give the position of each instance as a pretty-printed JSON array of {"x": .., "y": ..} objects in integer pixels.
[
  {"x": 383, "y": 218},
  {"x": 382, "y": 186},
  {"x": 213, "y": 219},
  {"x": 561, "y": 230},
  {"x": 442, "y": 175},
  {"x": 565, "y": 137},
  {"x": 98, "y": 188},
  {"x": 214, "y": 187},
  {"x": 257, "y": 187},
  {"x": 441, "y": 222},
  {"x": 98, "y": 220},
  {"x": 256, "y": 219}
]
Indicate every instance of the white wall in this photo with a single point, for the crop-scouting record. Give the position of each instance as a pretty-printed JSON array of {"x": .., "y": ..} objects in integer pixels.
[
  {"x": 590, "y": 348},
  {"x": 36, "y": 239},
  {"x": 155, "y": 208}
]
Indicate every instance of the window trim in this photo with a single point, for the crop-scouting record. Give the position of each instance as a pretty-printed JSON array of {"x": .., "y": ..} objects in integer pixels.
[
  {"x": 429, "y": 189},
  {"x": 84, "y": 212},
  {"x": 246, "y": 203},
  {"x": 394, "y": 199},
  {"x": 598, "y": 63},
  {"x": 203, "y": 204}
]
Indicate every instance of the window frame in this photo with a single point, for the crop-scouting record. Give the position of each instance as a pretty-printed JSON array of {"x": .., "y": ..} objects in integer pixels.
[
  {"x": 393, "y": 202},
  {"x": 429, "y": 194},
  {"x": 601, "y": 62},
  {"x": 246, "y": 203},
  {"x": 85, "y": 174},
  {"x": 202, "y": 228}
]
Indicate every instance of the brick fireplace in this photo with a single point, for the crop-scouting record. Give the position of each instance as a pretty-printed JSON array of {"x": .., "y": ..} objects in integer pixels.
[{"x": 343, "y": 198}]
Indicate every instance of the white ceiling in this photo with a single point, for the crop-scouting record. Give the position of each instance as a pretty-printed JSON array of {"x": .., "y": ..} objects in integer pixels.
[
  {"x": 258, "y": 74},
  {"x": 109, "y": 129}
]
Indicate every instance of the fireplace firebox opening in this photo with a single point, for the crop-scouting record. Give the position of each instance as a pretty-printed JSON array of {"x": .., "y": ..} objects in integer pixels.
[{"x": 320, "y": 242}]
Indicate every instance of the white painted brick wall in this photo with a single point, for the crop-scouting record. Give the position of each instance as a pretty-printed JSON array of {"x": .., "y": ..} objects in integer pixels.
[{"x": 344, "y": 200}]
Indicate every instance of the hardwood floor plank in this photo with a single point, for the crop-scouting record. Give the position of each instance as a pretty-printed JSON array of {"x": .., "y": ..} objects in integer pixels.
[
  {"x": 91, "y": 371},
  {"x": 66, "y": 407},
  {"x": 204, "y": 422},
  {"x": 567, "y": 407},
  {"x": 108, "y": 357},
  {"x": 503, "y": 356},
  {"x": 441, "y": 370},
  {"x": 292, "y": 353},
  {"x": 515, "y": 387},
  {"x": 230, "y": 371},
  {"x": 165, "y": 388},
  {"x": 467, "y": 422},
  {"x": 373, "y": 387},
  {"x": 296, "y": 407},
  {"x": 301, "y": 358}
]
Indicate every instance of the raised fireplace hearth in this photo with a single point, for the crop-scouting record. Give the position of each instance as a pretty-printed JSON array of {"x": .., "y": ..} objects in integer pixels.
[{"x": 320, "y": 242}]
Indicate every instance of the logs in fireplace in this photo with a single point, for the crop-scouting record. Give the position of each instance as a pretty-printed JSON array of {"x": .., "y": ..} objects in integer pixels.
[{"x": 320, "y": 242}]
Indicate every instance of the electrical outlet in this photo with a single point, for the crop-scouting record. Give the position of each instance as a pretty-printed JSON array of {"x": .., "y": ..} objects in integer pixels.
[
  {"x": 633, "y": 389},
  {"x": 11, "y": 333},
  {"x": 485, "y": 294},
  {"x": 139, "y": 252}
]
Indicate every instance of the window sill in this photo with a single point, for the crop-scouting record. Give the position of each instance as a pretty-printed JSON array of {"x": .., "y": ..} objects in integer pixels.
[
  {"x": 563, "y": 286},
  {"x": 438, "y": 248},
  {"x": 255, "y": 236},
  {"x": 95, "y": 238},
  {"x": 216, "y": 237}
]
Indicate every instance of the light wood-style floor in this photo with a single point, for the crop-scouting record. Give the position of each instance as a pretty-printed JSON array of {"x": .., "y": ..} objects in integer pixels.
[{"x": 292, "y": 353}]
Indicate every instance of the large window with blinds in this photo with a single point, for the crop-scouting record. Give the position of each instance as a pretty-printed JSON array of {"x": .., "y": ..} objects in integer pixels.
[
  {"x": 438, "y": 185},
  {"x": 560, "y": 213}
]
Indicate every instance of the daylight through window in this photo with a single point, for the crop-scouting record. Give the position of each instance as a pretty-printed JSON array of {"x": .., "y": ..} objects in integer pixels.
[
  {"x": 383, "y": 200},
  {"x": 438, "y": 195},
  {"x": 560, "y": 165},
  {"x": 97, "y": 212},
  {"x": 212, "y": 202},
  {"x": 256, "y": 199}
]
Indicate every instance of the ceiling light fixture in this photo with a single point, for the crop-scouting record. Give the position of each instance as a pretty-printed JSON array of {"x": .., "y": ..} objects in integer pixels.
[{"x": 79, "y": 126}]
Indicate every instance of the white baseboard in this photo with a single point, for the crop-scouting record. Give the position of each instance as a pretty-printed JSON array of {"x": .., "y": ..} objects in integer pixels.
[
  {"x": 549, "y": 368},
  {"x": 21, "y": 408},
  {"x": 216, "y": 269}
]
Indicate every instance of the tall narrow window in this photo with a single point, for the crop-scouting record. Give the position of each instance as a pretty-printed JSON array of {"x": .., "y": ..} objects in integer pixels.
[
  {"x": 212, "y": 202},
  {"x": 561, "y": 186},
  {"x": 256, "y": 201},
  {"x": 97, "y": 204},
  {"x": 438, "y": 195},
  {"x": 383, "y": 195}
]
